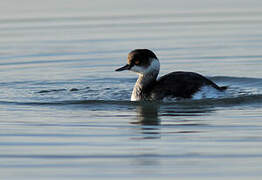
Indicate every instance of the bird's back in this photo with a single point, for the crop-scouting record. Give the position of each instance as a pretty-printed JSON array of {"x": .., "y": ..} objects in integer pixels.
[{"x": 179, "y": 84}]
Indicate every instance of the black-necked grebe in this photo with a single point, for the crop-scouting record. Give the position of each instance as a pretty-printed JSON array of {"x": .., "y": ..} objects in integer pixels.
[{"x": 173, "y": 85}]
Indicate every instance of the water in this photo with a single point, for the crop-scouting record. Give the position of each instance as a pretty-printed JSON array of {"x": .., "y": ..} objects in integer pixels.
[{"x": 65, "y": 113}]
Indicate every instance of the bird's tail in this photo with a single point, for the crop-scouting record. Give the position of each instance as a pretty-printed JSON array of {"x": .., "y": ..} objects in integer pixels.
[{"x": 223, "y": 88}]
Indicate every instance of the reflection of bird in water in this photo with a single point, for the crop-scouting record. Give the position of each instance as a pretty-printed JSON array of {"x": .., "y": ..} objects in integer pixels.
[
  {"x": 176, "y": 115},
  {"x": 147, "y": 113},
  {"x": 147, "y": 117}
]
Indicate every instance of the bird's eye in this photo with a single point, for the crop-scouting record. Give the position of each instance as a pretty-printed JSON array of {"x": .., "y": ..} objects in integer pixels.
[{"x": 137, "y": 62}]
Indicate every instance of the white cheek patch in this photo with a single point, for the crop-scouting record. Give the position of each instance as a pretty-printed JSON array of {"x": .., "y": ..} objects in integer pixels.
[
  {"x": 138, "y": 69},
  {"x": 154, "y": 67}
]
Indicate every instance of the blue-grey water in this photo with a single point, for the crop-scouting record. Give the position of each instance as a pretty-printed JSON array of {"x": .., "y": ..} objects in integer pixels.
[{"x": 65, "y": 113}]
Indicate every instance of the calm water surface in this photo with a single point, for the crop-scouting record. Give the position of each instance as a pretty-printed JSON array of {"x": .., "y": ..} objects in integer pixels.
[{"x": 65, "y": 113}]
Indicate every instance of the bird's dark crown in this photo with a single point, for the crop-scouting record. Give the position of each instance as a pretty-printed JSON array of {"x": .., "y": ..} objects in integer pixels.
[{"x": 140, "y": 57}]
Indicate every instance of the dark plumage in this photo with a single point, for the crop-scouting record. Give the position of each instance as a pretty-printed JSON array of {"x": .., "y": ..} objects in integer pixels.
[{"x": 178, "y": 84}]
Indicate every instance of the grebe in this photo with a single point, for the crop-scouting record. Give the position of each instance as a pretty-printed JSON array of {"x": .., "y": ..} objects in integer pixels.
[{"x": 173, "y": 85}]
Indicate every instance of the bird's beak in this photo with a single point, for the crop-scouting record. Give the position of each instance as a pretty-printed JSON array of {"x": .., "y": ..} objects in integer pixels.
[{"x": 126, "y": 67}]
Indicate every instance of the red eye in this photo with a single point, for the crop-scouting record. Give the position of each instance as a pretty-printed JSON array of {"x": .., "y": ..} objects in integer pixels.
[{"x": 137, "y": 62}]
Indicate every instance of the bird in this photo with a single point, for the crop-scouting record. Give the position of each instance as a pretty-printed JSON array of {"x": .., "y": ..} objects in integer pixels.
[{"x": 178, "y": 85}]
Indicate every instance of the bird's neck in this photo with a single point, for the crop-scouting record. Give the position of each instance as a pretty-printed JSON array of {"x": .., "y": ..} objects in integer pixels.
[{"x": 142, "y": 85}]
